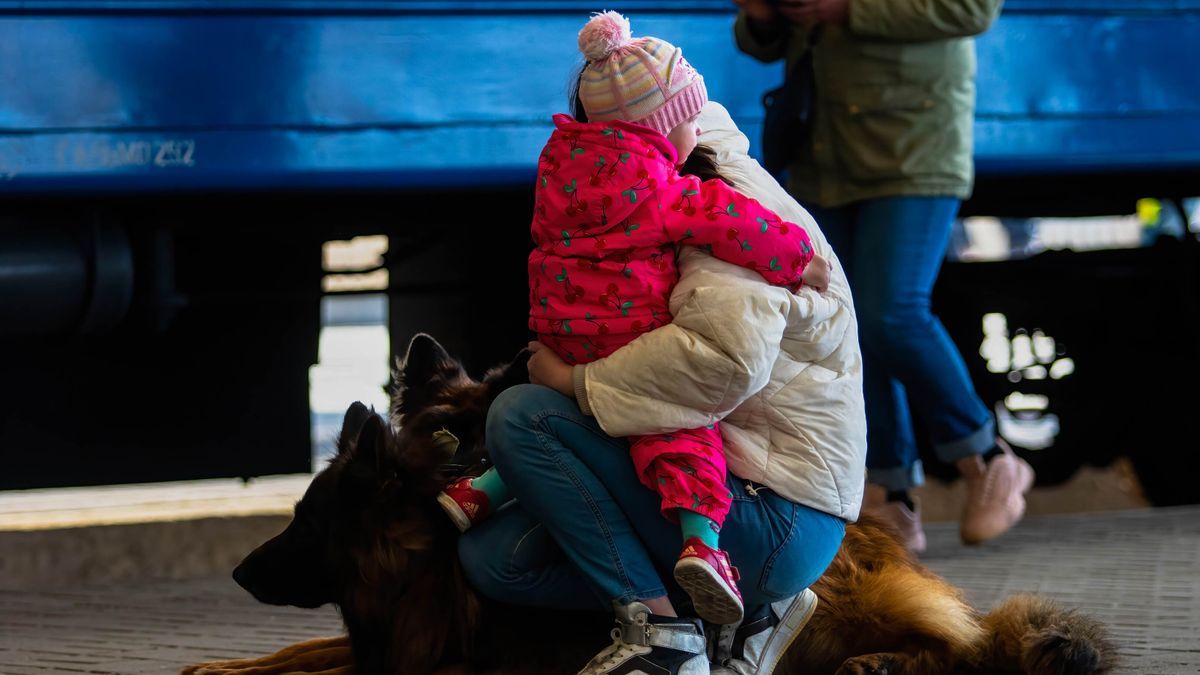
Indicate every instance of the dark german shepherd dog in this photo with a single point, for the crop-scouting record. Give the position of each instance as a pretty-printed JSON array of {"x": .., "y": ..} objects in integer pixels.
[{"x": 368, "y": 537}]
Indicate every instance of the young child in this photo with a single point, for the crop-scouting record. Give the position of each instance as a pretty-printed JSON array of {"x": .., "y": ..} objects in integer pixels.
[{"x": 610, "y": 209}]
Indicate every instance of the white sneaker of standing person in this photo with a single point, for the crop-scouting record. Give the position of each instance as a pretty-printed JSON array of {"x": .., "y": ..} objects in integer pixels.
[{"x": 648, "y": 644}]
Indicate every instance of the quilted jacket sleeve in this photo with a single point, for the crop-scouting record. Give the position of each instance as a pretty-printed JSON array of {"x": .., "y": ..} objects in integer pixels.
[{"x": 718, "y": 352}]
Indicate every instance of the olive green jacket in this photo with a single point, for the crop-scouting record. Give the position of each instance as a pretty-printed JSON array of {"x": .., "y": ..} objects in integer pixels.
[{"x": 895, "y": 98}]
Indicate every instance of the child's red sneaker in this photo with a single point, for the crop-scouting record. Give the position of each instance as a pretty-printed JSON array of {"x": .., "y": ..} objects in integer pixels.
[
  {"x": 464, "y": 504},
  {"x": 707, "y": 576}
]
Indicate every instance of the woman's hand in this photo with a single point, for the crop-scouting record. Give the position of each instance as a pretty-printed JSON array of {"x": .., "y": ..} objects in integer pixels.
[
  {"x": 817, "y": 274},
  {"x": 810, "y": 13},
  {"x": 545, "y": 368}
]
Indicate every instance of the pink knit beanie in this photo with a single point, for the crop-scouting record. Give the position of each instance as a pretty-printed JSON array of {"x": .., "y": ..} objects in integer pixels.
[{"x": 645, "y": 81}]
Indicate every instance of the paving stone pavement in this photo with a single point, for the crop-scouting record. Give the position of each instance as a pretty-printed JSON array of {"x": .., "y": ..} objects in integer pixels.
[{"x": 1137, "y": 570}]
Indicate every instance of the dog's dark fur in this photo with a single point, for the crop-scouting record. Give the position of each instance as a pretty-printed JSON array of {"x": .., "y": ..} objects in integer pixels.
[{"x": 368, "y": 537}]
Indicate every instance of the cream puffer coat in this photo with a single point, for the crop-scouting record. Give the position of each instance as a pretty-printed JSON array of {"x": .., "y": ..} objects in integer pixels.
[{"x": 782, "y": 371}]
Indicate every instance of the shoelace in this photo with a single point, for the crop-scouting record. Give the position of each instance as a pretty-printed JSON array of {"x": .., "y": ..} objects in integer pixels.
[
  {"x": 623, "y": 652},
  {"x": 987, "y": 483},
  {"x": 611, "y": 655},
  {"x": 990, "y": 480}
]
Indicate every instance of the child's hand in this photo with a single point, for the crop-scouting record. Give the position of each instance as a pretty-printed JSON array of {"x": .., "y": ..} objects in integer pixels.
[
  {"x": 547, "y": 369},
  {"x": 817, "y": 273}
]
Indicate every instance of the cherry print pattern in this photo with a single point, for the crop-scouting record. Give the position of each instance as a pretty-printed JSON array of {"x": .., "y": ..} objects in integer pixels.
[{"x": 609, "y": 210}]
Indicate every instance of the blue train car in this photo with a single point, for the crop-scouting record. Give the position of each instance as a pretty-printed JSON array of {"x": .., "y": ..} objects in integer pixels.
[
  {"x": 173, "y": 95},
  {"x": 170, "y": 168}
]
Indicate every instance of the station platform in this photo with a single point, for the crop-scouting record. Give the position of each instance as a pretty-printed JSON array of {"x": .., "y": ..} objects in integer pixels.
[{"x": 1137, "y": 570}]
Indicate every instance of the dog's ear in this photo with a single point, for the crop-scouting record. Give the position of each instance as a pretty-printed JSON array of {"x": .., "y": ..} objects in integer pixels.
[
  {"x": 356, "y": 416},
  {"x": 517, "y": 372},
  {"x": 425, "y": 369},
  {"x": 365, "y": 464},
  {"x": 425, "y": 358}
]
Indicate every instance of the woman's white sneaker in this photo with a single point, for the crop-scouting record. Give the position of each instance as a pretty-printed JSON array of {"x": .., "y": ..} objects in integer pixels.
[
  {"x": 756, "y": 648},
  {"x": 644, "y": 643}
]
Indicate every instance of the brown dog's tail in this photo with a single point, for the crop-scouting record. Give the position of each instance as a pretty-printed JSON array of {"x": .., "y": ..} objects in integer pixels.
[{"x": 1035, "y": 635}]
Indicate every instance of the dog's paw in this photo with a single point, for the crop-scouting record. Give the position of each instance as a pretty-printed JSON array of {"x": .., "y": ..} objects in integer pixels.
[{"x": 870, "y": 664}]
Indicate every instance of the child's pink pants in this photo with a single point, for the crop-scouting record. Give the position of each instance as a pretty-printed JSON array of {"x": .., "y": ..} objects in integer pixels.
[{"x": 687, "y": 467}]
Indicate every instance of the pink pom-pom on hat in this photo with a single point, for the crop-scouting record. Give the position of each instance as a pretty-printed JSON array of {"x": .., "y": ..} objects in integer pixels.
[
  {"x": 604, "y": 34},
  {"x": 646, "y": 81}
]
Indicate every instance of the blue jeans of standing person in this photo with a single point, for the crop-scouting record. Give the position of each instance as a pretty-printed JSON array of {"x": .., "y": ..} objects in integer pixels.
[
  {"x": 583, "y": 532},
  {"x": 892, "y": 249}
]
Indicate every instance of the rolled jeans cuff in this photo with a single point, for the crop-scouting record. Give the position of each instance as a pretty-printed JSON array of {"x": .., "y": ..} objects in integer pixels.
[
  {"x": 976, "y": 443},
  {"x": 896, "y": 479}
]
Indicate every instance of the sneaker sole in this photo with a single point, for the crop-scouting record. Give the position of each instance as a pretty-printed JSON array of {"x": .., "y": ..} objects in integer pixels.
[
  {"x": 713, "y": 600},
  {"x": 452, "y": 509},
  {"x": 791, "y": 624}
]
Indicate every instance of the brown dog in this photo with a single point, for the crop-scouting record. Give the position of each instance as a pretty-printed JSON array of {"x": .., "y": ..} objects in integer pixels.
[{"x": 369, "y": 538}]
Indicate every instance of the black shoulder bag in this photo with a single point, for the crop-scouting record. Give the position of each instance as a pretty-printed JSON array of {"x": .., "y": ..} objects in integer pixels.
[{"x": 788, "y": 113}]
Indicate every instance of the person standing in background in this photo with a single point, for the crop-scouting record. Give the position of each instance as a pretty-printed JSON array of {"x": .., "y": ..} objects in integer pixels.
[{"x": 883, "y": 166}]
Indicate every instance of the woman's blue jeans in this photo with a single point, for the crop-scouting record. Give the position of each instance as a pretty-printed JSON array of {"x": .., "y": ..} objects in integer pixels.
[
  {"x": 583, "y": 532},
  {"x": 892, "y": 249}
]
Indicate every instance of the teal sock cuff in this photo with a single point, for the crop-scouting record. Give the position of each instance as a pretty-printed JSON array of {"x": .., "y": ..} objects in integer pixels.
[
  {"x": 492, "y": 485},
  {"x": 702, "y": 527}
]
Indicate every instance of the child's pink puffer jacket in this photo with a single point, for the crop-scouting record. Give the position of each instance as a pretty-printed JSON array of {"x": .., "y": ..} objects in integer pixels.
[{"x": 610, "y": 209}]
